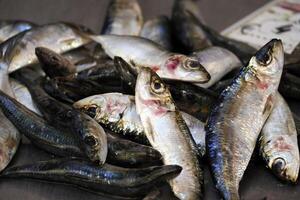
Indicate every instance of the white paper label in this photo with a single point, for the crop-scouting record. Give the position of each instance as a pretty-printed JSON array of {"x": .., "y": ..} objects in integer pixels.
[{"x": 278, "y": 20}]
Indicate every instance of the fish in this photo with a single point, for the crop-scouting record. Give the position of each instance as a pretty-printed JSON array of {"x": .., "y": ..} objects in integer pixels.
[
  {"x": 54, "y": 64},
  {"x": 290, "y": 86},
  {"x": 123, "y": 17},
  {"x": 158, "y": 29},
  {"x": 117, "y": 112},
  {"x": 106, "y": 179},
  {"x": 188, "y": 33},
  {"x": 19, "y": 51},
  {"x": 23, "y": 95},
  {"x": 218, "y": 62},
  {"x": 138, "y": 51},
  {"x": 278, "y": 142},
  {"x": 91, "y": 136},
  {"x": 236, "y": 120},
  {"x": 168, "y": 133},
  {"x": 10, "y": 28}
]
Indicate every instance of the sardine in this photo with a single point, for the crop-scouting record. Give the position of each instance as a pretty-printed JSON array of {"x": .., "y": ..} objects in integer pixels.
[
  {"x": 18, "y": 51},
  {"x": 190, "y": 35},
  {"x": 278, "y": 142},
  {"x": 237, "y": 119},
  {"x": 10, "y": 28},
  {"x": 158, "y": 30},
  {"x": 91, "y": 136},
  {"x": 118, "y": 112},
  {"x": 53, "y": 63},
  {"x": 139, "y": 52},
  {"x": 123, "y": 17},
  {"x": 218, "y": 62},
  {"x": 107, "y": 179},
  {"x": 169, "y": 134}
]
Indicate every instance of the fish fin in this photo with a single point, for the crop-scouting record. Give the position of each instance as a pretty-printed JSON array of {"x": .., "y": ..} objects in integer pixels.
[{"x": 269, "y": 105}]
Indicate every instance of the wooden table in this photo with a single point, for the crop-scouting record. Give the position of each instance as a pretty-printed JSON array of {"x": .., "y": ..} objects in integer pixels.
[{"x": 258, "y": 182}]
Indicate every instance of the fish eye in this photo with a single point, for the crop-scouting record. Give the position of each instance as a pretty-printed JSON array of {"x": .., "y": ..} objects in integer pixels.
[
  {"x": 264, "y": 59},
  {"x": 157, "y": 86},
  {"x": 91, "y": 111},
  {"x": 278, "y": 165},
  {"x": 90, "y": 140},
  {"x": 192, "y": 64}
]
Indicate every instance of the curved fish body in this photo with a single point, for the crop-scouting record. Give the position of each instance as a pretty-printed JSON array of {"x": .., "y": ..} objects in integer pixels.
[
  {"x": 107, "y": 179},
  {"x": 53, "y": 63},
  {"x": 138, "y": 51},
  {"x": 168, "y": 133},
  {"x": 237, "y": 119},
  {"x": 19, "y": 51},
  {"x": 278, "y": 142},
  {"x": 290, "y": 86},
  {"x": 218, "y": 62},
  {"x": 23, "y": 95},
  {"x": 10, "y": 28},
  {"x": 118, "y": 112},
  {"x": 158, "y": 30},
  {"x": 190, "y": 35},
  {"x": 123, "y": 17}
]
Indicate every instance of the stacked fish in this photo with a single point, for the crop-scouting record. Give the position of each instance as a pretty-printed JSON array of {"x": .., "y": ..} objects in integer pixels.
[{"x": 144, "y": 103}]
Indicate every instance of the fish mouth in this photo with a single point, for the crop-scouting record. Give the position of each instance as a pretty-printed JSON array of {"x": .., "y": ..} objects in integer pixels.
[{"x": 263, "y": 54}]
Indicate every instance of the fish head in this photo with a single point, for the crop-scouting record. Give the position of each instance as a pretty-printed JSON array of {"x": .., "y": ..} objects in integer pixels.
[
  {"x": 152, "y": 92},
  {"x": 186, "y": 68},
  {"x": 268, "y": 61},
  {"x": 91, "y": 106},
  {"x": 284, "y": 159}
]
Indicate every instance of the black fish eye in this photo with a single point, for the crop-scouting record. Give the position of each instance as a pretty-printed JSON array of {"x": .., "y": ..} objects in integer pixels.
[
  {"x": 157, "y": 86},
  {"x": 278, "y": 165},
  {"x": 90, "y": 140},
  {"x": 91, "y": 111},
  {"x": 192, "y": 64},
  {"x": 264, "y": 59}
]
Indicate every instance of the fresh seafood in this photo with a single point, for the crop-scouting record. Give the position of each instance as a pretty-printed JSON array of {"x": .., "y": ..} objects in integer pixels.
[
  {"x": 123, "y": 17},
  {"x": 218, "y": 62},
  {"x": 10, "y": 28},
  {"x": 19, "y": 51},
  {"x": 237, "y": 119},
  {"x": 139, "y": 52},
  {"x": 168, "y": 133},
  {"x": 278, "y": 142},
  {"x": 190, "y": 35},
  {"x": 158, "y": 30},
  {"x": 107, "y": 179},
  {"x": 90, "y": 134},
  {"x": 54, "y": 64},
  {"x": 118, "y": 112}
]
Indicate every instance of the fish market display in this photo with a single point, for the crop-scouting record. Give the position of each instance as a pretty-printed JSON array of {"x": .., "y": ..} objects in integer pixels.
[
  {"x": 166, "y": 131},
  {"x": 236, "y": 121}
]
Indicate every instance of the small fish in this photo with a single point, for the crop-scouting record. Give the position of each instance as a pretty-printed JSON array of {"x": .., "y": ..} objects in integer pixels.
[
  {"x": 290, "y": 86},
  {"x": 54, "y": 64},
  {"x": 10, "y": 28},
  {"x": 190, "y": 35},
  {"x": 278, "y": 142},
  {"x": 106, "y": 179},
  {"x": 139, "y": 52},
  {"x": 91, "y": 136},
  {"x": 118, "y": 112},
  {"x": 168, "y": 133},
  {"x": 19, "y": 51},
  {"x": 239, "y": 115},
  {"x": 158, "y": 30},
  {"x": 123, "y": 17}
]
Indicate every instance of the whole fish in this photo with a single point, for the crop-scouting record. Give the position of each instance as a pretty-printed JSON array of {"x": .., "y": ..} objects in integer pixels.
[
  {"x": 190, "y": 35},
  {"x": 139, "y": 52},
  {"x": 218, "y": 62},
  {"x": 91, "y": 136},
  {"x": 23, "y": 95},
  {"x": 19, "y": 51},
  {"x": 106, "y": 179},
  {"x": 158, "y": 30},
  {"x": 290, "y": 86},
  {"x": 237, "y": 119},
  {"x": 10, "y": 28},
  {"x": 123, "y": 17},
  {"x": 118, "y": 112},
  {"x": 168, "y": 133},
  {"x": 54, "y": 64},
  {"x": 278, "y": 142}
]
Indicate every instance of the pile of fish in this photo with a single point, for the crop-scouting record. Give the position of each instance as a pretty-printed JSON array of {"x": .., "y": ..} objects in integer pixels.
[{"x": 145, "y": 103}]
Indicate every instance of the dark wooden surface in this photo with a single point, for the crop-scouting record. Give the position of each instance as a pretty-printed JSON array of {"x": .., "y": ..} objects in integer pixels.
[{"x": 258, "y": 182}]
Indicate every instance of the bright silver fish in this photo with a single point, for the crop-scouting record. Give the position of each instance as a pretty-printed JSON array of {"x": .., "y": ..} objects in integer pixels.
[{"x": 10, "y": 28}]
